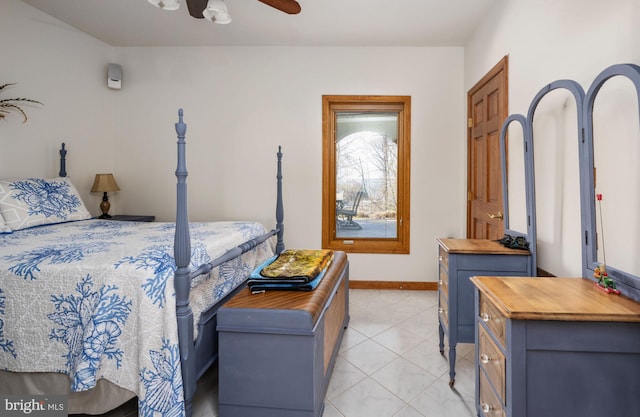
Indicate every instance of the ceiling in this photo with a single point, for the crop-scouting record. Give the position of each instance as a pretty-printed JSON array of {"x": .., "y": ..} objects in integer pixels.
[{"x": 321, "y": 23}]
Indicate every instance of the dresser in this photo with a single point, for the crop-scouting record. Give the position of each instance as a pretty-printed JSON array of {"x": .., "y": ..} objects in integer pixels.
[
  {"x": 555, "y": 347},
  {"x": 277, "y": 349},
  {"x": 458, "y": 260}
]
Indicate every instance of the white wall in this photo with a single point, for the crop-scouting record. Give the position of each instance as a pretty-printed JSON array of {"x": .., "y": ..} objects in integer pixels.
[
  {"x": 547, "y": 40},
  {"x": 65, "y": 70},
  {"x": 240, "y": 104}
]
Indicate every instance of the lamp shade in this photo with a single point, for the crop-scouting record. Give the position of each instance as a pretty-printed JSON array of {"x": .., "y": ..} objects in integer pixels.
[
  {"x": 166, "y": 4},
  {"x": 104, "y": 183},
  {"x": 217, "y": 12}
]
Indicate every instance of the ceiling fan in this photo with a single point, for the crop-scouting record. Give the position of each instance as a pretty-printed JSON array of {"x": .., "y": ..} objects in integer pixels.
[{"x": 216, "y": 10}]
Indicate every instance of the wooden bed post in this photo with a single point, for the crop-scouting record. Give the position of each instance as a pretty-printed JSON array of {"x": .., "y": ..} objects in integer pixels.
[
  {"x": 182, "y": 255},
  {"x": 182, "y": 280},
  {"x": 63, "y": 162},
  {"x": 194, "y": 361},
  {"x": 279, "y": 206}
]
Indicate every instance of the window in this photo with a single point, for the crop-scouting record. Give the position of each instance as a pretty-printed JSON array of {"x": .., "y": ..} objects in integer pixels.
[{"x": 365, "y": 180}]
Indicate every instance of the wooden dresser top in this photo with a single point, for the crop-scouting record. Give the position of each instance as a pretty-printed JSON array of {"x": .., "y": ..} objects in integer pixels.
[
  {"x": 564, "y": 299},
  {"x": 479, "y": 246}
]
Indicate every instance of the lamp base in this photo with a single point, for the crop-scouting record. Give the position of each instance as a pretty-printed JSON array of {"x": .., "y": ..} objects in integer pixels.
[{"x": 105, "y": 206}]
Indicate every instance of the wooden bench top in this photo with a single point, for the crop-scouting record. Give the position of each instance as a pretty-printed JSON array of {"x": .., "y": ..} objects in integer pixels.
[{"x": 309, "y": 301}]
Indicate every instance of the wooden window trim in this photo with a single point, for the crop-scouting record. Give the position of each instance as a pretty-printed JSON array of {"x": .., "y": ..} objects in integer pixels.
[{"x": 331, "y": 103}]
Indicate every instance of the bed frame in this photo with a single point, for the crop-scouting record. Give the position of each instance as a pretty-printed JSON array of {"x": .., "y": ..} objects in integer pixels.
[{"x": 196, "y": 356}]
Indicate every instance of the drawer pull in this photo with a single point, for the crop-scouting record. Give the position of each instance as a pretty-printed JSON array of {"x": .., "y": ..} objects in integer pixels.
[
  {"x": 485, "y": 317},
  {"x": 484, "y": 358},
  {"x": 440, "y": 310},
  {"x": 440, "y": 282},
  {"x": 440, "y": 258},
  {"x": 486, "y": 407}
]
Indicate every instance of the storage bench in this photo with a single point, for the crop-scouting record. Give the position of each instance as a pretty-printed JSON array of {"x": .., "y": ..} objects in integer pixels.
[{"x": 277, "y": 349}]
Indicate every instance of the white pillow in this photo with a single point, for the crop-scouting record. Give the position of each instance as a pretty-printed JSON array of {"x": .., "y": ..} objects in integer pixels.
[{"x": 37, "y": 201}]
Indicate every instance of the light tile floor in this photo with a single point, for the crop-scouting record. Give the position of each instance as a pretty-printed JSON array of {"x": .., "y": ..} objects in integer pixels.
[{"x": 389, "y": 364}]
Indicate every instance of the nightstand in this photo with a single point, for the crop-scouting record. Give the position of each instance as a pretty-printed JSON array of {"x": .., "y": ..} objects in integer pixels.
[{"x": 132, "y": 218}]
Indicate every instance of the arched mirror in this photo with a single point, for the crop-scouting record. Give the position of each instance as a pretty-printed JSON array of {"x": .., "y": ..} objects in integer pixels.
[
  {"x": 555, "y": 120},
  {"x": 612, "y": 177},
  {"x": 512, "y": 150},
  {"x": 517, "y": 182}
]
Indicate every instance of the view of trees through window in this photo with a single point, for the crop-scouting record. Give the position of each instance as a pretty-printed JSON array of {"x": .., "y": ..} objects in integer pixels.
[
  {"x": 367, "y": 162},
  {"x": 365, "y": 175}
]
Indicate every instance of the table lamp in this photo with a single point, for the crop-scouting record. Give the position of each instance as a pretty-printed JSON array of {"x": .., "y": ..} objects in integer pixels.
[{"x": 104, "y": 183}]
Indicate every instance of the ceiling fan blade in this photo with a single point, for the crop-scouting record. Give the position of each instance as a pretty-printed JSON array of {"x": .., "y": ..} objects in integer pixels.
[
  {"x": 287, "y": 6},
  {"x": 196, "y": 7}
]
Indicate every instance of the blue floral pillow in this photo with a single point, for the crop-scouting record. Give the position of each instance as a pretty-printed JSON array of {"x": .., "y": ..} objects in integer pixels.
[
  {"x": 3, "y": 227},
  {"x": 36, "y": 201}
]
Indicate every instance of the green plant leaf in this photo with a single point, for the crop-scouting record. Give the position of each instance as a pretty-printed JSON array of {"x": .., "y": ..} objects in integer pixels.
[{"x": 9, "y": 105}]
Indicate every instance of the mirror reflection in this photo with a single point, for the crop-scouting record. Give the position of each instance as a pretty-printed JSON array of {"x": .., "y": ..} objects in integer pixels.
[
  {"x": 516, "y": 217},
  {"x": 616, "y": 147},
  {"x": 555, "y": 139}
]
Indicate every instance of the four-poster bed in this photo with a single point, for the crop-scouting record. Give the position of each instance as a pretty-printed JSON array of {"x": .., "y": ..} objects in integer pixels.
[{"x": 113, "y": 309}]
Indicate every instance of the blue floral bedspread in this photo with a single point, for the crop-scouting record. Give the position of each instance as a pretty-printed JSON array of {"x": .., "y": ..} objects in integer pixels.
[{"x": 95, "y": 299}]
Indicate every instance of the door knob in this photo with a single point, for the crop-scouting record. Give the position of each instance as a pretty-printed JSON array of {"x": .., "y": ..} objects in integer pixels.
[{"x": 498, "y": 216}]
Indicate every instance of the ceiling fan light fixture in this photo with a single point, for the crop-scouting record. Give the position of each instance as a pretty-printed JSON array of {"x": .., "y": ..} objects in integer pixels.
[
  {"x": 217, "y": 12},
  {"x": 166, "y": 4}
]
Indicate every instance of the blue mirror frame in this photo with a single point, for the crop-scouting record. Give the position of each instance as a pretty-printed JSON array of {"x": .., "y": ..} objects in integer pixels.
[
  {"x": 530, "y": 235},
  {"x": 627, "y": 283}
]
